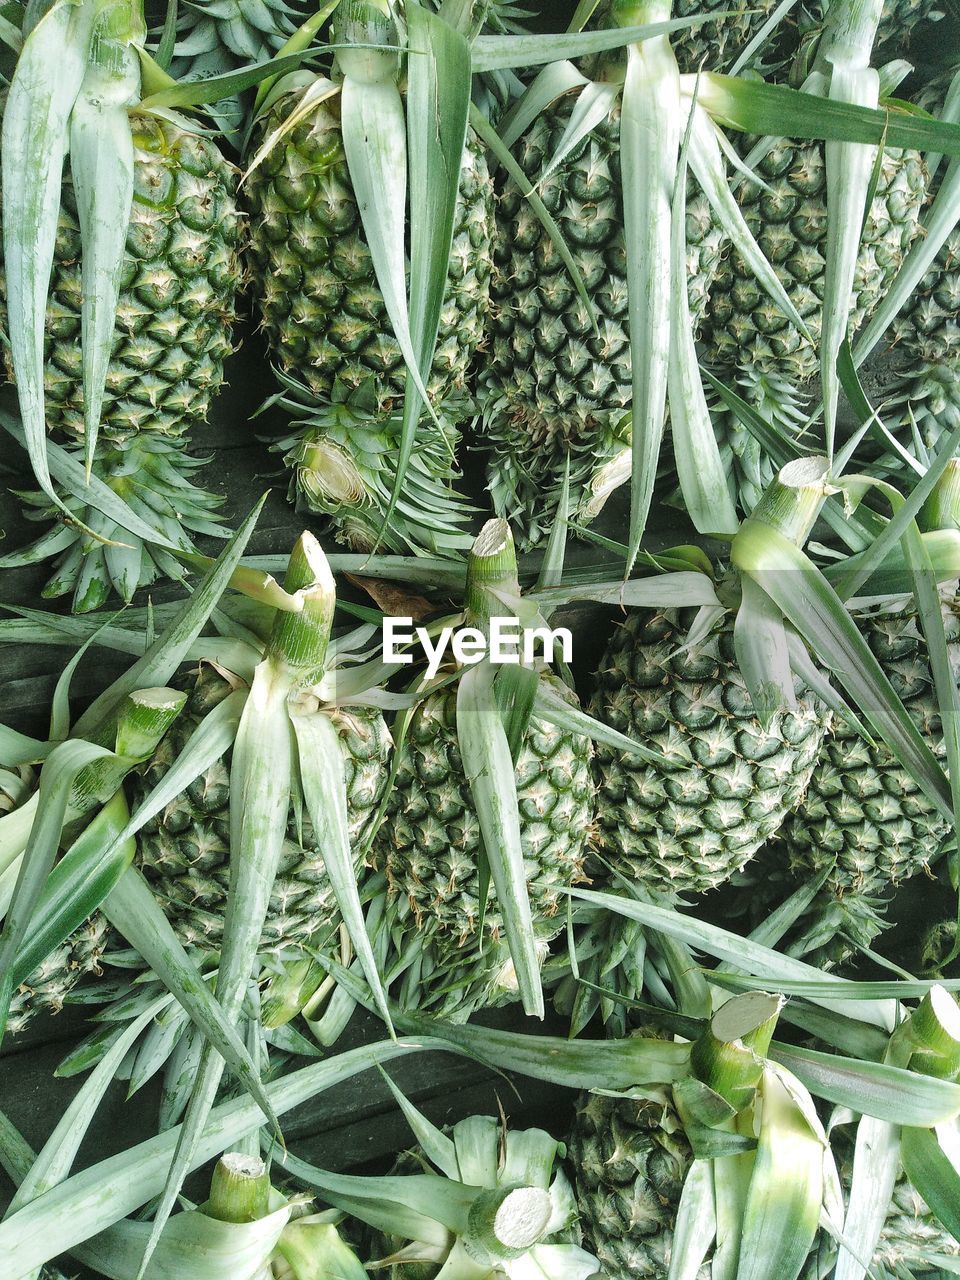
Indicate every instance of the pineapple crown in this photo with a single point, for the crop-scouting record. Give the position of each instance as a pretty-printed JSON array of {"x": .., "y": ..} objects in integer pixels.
[
  {"x": 499, "y": 1196},
  {"x": 345, "y": 453}
]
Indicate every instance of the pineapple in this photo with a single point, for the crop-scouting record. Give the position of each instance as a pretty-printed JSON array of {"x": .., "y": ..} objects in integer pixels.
[
  {"x": 629, "y": 1159},
  {"x": 318, "y": 287},
  {"x": 319, "y": 302},
  {"x": 430, "y": 848},
  {"x": 180, "y": 278},
  {"x": 555, "y": 392},
  {"x": 688, "y": 829},
  {"x": 747, "y": 338},
  {"x": 863, "y": 812},
  {"x": 184, "y": 852}
]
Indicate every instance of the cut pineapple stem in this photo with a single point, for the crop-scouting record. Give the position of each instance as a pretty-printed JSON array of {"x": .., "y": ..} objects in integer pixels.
[
  {"x": 792, "y": 502},
  {"x": 942, "y": 509},
  {"x": 505, "y": 1222},
  {"x": 728, "y": 1056},
  {"x": 143, "y": 719},
  {"x": 147, "y": 716},
  {"x": 299, "y": 640},
  {"x": 491, "y": 567},
  {"x": 239, "y": 1189}
]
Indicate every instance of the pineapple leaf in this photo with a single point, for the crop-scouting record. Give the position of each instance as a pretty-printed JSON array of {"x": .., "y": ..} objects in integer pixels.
[
  {"x": 650, "y": 128},
  {"x": 552, "y": 707},
  {"x": 499, "y": 53},
  {"x": 695, "y": 1228},
  {"x": 438, "y": 104},
  {"x": 132, "y": 909},
  {"x": 489, "y": 767},
  {"x": 931, "y": 1171},
  {"x": 320, "y": 760},
  {"x": 416, "y": 1206},
  {"x": 438, "y": 1148},
  {"x": 762, "y": 651},
  {"x": 776, "y": 111},
  {"x": 196, "y": 93},
  {"x": 169, "y": 649},
  {"x": 58, "y": 778},
  {"x": 101, "y": 162},
  {"x": 877, "y": 1089},
  {"x": 260, "y": 779},
  {"x": 849, "y": 167},
  {"x": 374, "y": 128},
  {"x": 54, "y": 1162},
  {"x": 193, "y": 1244},
  {"x": 45, "y": 86},
  {"x": 78, "y": 884},
  {"x": 680, "y": 590},
  {"x": 550, "y": 84},
  {"x": 782, "y": 1209},
  {"x": 614, "y": 1065},
  {"x": 700, "y": 470},
  {"x": 876, "y": 1163},
  {"x": 742, "y": 952}
]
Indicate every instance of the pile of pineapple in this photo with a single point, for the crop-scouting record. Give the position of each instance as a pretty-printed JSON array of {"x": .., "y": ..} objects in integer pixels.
[{"x": 631, "y": 322}]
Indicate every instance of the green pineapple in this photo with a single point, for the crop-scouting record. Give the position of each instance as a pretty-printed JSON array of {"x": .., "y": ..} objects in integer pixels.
[
  {"x": 184, "y": 852},
  {"x": 863, "y": 814},
  {"x": 318, "y": 283},
  {"x": 179, "y": 282},
  {"x": 430, "y": 847},
  {"x": 753, "y": 346},
  {"x": 557, "y": 393},
  {"x": 688, "y": 829},
  {"x": 320, "y": 305},
  {"x": 629, "y": 1159}
]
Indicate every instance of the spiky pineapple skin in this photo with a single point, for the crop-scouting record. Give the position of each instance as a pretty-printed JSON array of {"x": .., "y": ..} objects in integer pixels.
[
  {"x": 185, "y": 851},
  {"x": 688, "y": 829},
  {"x": 744, "y": 327},
  {"x": 429, "y": 845},
  {"x": 556, "y": 389},
  {"x": 322, "y": 310},
  {"x": 862, "y": 808},
  {"x": 180, "y": 278},
  {"x": 629, "y": 1158}
]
